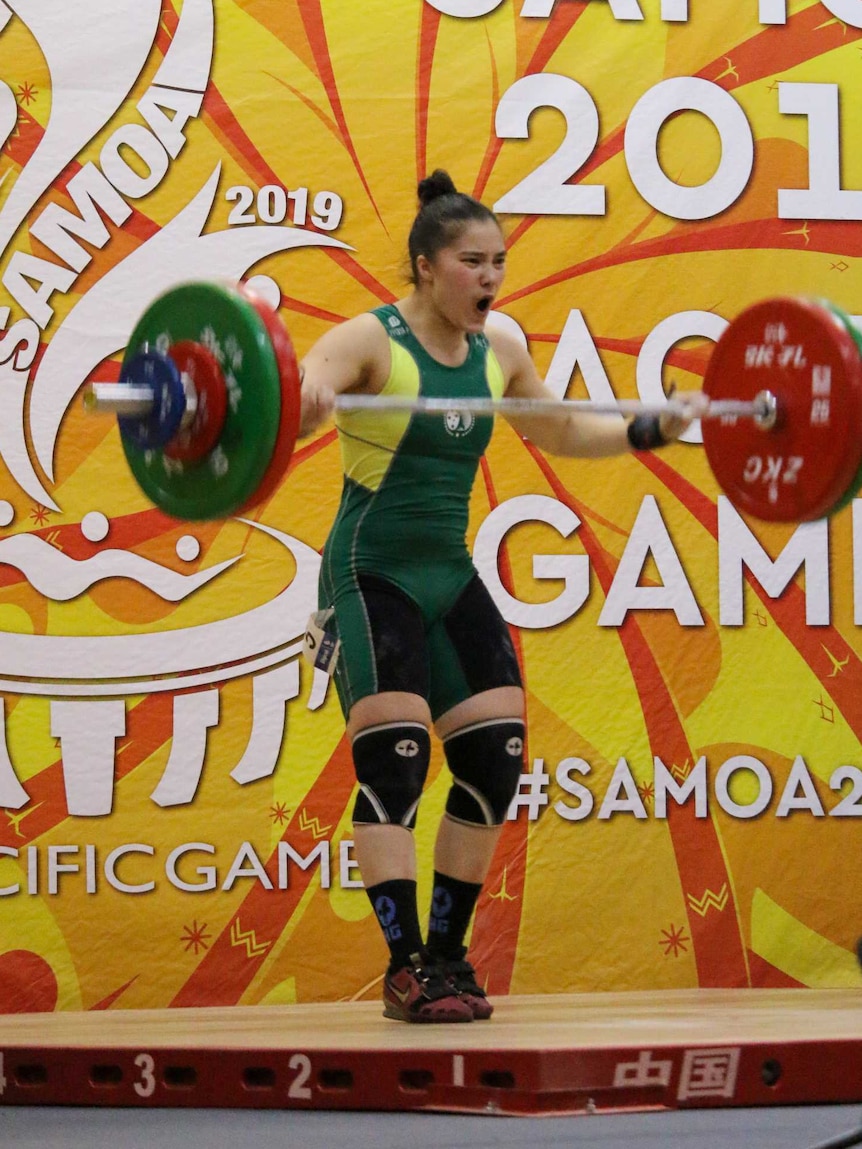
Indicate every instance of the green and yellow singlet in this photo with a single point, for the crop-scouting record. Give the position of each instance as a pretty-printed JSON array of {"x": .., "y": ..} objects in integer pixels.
[{"x": 408, "y": 477}]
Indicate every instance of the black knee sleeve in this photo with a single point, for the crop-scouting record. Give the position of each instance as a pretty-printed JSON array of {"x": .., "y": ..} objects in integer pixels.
[
  {"x": 391, "y": 763},
  {"x": 486, "y": 761}
]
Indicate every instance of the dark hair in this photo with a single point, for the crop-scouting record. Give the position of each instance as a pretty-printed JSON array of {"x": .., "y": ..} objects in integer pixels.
[{"x": 443, "y": 214}]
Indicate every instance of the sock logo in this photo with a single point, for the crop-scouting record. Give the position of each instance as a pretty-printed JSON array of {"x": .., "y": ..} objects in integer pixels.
[
  {"x": 441, "y": 907},
  {"x": 515, "y": 746},
  {"x": 387, "y": 911}
]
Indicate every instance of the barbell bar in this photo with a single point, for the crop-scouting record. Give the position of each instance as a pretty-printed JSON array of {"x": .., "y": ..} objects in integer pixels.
[
  {"x": 135, "y": 399},
  {"x": 782, "y": 430}
]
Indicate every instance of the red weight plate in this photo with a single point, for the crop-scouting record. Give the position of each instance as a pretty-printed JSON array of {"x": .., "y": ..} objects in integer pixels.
[
  {"x": 805, "y": 355},
  {"x": 288, "y": 370},
  {"x": 202, "y": 434}
]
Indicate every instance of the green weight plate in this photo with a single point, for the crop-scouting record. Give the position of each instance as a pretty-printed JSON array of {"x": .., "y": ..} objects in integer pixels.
[
  {"x": 856, "y": 482},
  {"x": 230, "y": 328}
]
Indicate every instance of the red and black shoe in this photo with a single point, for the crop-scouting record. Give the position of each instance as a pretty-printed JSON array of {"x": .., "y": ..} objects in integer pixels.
[
  {"x": 418, "y": 991},
  {"x": 462, "y": 978}
]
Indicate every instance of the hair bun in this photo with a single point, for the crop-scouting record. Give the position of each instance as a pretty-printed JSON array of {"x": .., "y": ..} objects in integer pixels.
[{"x": 437, "y": 184}]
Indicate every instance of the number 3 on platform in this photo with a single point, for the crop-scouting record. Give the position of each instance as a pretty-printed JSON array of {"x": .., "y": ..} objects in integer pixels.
[{"x": 146, "y": 1087}]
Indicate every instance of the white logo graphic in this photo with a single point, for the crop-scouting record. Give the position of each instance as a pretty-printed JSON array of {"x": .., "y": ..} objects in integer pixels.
[
  {"x": 73, "y": 39},
  {"x": 515, "y": 747},
  {"x": 407, "y": 748},
  {"x": 89, "y": 678},
  {"x": 459, "y": 423}
]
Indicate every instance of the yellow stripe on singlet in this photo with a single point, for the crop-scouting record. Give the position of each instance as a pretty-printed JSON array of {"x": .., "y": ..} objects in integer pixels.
[
  {"x": 369, "y": 439},
  {"x": 494, "y": 372}
]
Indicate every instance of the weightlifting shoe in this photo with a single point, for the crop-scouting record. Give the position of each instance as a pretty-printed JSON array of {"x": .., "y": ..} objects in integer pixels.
[
  {"x": 418, "y": 991},
  {"x": 462, "y": 978}
]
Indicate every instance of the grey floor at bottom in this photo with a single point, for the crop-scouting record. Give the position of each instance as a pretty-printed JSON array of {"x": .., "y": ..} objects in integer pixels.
[{"x": 88, "y": 1128}]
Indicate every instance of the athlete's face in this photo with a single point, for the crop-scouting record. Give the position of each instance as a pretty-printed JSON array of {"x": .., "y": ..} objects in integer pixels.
[{"x": 466, "y": 276}]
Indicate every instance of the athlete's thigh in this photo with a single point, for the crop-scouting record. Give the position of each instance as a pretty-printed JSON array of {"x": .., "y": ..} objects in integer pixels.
[
  {"x": 383, "y": 647},
  {"x": 470, "y": 651}
]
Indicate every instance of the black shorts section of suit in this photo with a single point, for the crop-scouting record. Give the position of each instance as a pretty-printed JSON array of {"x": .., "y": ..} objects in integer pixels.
[{"x": 482, "y": 652}]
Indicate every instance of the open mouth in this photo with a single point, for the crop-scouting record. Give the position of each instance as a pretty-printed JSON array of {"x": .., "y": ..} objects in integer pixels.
[{"x": 484, "y": 303}]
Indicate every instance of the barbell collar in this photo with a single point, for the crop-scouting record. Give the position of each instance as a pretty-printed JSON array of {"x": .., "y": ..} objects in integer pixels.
[
  {"x": 119, "y": 399},
  {"x": 133, "y": 399}
]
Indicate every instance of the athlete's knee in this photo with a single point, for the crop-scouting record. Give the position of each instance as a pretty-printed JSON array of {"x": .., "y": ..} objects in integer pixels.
[
  {"x": 486, "y": 760},
  {"x": 391, "y": 762}
]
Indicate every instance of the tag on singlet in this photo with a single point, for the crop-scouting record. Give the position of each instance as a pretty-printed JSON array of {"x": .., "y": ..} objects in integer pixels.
[{"x": 320, "y": 645}]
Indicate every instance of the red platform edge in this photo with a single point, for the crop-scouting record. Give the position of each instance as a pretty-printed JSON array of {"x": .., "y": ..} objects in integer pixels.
[{"x": 504, "y": 1082}]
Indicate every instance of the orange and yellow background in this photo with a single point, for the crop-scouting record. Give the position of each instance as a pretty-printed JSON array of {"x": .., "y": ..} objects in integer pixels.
[{"x": 362, "y": 100}]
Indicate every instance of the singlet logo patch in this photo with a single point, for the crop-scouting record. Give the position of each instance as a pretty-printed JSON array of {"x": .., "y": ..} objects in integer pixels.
[{"x": 459, "y": 423}]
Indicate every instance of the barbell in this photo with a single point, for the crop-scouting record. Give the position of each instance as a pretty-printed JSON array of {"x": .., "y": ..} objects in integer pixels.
[{"x": 208, "y": 405}]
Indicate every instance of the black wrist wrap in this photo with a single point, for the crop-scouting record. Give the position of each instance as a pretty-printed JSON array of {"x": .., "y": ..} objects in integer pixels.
[{"x": 644, "y": 433}]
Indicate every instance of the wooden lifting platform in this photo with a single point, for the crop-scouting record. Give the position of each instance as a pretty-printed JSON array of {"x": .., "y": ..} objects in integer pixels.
[{"x": 556, "y": 1054}]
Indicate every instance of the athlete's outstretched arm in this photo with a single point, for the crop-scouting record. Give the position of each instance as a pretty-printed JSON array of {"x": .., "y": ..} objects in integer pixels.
[{"x": 577, "y": 433}]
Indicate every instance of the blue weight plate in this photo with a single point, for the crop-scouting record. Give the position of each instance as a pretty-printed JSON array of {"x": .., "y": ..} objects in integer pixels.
[{"x": 153, "y": 430}]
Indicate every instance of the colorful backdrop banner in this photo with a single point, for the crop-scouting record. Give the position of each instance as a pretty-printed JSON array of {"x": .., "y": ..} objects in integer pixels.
[{"x": 174, "y": 780}]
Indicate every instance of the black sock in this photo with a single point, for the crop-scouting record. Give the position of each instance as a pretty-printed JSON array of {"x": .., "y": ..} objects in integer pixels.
[
  {"x": 394, "y": 903},
  {"x": 452, "y": 905}
]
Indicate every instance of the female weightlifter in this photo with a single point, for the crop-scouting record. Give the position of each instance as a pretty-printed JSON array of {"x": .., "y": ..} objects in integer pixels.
[{"x": 422, "y": 642}]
